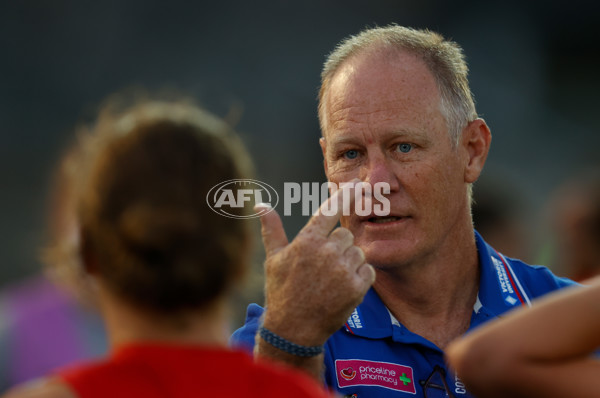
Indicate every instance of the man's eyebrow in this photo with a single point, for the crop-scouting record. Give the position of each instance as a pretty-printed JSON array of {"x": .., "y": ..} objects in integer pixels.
[
  {"x": 342, "y": 140},
  {"x": 352, "y": 139}
]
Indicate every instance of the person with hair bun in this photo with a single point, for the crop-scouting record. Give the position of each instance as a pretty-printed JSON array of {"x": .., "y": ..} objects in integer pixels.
[{"x": 160, "y": 262}]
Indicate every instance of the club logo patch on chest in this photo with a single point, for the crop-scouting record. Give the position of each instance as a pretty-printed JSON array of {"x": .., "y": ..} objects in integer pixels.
[{"x": 358, "y": 372}]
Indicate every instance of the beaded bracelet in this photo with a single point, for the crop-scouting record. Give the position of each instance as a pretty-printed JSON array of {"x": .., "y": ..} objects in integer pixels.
[{"x": 287, "y": 346}]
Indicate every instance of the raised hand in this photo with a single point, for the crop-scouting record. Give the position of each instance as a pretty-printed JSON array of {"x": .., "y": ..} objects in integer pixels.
[{"x": 313, "y": 283}]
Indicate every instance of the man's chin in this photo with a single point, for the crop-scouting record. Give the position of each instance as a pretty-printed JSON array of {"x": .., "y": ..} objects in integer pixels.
[{"x": 387, "y": 254}]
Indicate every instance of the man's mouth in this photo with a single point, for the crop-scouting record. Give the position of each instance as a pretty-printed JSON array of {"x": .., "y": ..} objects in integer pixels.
[{"x": 383, "y": 220}]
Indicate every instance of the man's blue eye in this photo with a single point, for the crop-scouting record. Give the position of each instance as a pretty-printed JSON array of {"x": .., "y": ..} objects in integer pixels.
[
  {"x": 404, "y": 148},
  {"x": 351, "y": 154}
]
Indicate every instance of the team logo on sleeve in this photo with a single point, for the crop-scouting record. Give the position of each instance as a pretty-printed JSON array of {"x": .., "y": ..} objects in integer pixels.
[{"x": 358, "y": 372}]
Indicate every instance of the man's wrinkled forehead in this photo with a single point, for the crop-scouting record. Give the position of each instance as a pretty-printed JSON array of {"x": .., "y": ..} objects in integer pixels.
[{"x": 375, "y": 85}]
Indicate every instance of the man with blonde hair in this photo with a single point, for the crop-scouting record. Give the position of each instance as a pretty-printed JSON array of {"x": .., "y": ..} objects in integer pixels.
[{"x": 395, "y": 107}]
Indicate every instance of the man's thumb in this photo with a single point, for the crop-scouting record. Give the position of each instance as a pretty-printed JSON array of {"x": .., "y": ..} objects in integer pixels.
[{"x": 273, "y": 234}]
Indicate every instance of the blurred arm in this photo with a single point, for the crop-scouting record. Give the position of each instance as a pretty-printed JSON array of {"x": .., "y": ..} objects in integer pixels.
[
  {"x": 41, "y": 388},
  {"x": 544, "y": 351}
]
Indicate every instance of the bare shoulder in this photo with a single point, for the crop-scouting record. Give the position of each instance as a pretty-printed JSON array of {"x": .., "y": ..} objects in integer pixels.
[{"x": 41, "y": 388}]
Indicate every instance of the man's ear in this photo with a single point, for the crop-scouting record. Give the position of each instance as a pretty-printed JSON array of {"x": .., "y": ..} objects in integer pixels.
[
  {"x": 323, "y": 144},
  {"x": 476, "y": 140}
]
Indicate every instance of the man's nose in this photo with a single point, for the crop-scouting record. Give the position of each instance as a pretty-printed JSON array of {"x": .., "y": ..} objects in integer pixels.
[{"x": 379, "y": 169}]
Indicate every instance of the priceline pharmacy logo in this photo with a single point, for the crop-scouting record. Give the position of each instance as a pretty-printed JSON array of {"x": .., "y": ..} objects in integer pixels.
[{"x": 227, "y": 196}]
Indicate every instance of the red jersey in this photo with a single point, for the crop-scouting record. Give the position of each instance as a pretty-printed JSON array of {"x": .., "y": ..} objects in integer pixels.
[{"x": 159, "y": 370}]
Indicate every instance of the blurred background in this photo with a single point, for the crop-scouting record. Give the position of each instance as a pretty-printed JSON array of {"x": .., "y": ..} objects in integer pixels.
[{"x": 534, "y": 73}]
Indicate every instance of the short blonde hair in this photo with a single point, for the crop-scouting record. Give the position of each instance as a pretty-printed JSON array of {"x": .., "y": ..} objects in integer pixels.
[{"x": 444, "y": 58}]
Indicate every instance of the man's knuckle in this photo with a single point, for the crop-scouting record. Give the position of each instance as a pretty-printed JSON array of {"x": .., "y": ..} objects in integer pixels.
[
  {"x": 343, "y": 234},
  {"x": 355, "y": 255},
  {"x": 330, "y": 248}
]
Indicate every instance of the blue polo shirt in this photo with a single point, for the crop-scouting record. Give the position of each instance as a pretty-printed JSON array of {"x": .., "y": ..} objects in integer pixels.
[{"x": 373, "y": 355}]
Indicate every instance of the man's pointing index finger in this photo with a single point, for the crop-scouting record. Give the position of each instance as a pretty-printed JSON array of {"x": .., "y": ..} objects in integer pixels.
[{"x": 329, "y": 213}]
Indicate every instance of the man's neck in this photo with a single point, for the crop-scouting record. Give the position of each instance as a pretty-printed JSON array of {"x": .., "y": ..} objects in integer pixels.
[{"x": 434, "y": 297}]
